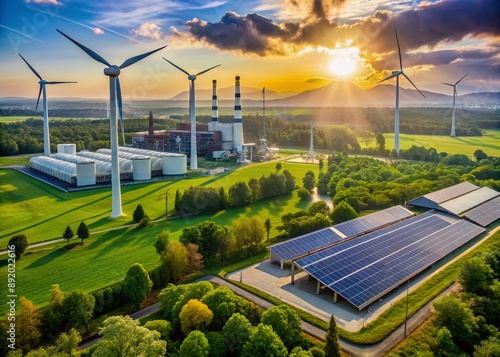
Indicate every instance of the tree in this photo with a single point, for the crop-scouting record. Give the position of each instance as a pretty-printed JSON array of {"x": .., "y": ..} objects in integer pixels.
[
  {"x": 53, "y": 314},
  {"x": 299, "y": 352},
  {"x": 168, "y": 297},
  {"x": 68, "y": 342},
  {"x": 267, "y": 226},
  {"x": 83, "y": 231},
  {"x": 456, "y": 316},
  {"x": 174, "y": 260},
  {"x": 309, "y": 181},
  {"x": 28, "y": 323},
  {"x": 122, "y": 336},
  {"x": 195, "y": 259},
  {"x": 264, "y": 343},
  {"x": 488, "y": 348},
  {"x": 195, "y": 344},
  {"x": 78, "y": 308},
  {"x": 480, "y": 155},
  {"x": 139, "y": 214},
  {"x": 195, "y": 315},
  {"x": 304, "y": 194},
  {"x": 332, "y": 347},
  {"x": 254, "y": 185},
  {"x": 289, "y": 181},
  {"x": 224, "y": 198},
  {"x": 476, "y": 276},
  {"x": 18, "y": 244},
  {"x": 380, "y": 139},
  {"x": 178, "y": 198},
  {"x": 343, "y": 212},
  {"x": 222, "y": 302},
  {"x": 68, "y": 233},
  {"x": 162, "y": 326},
  {"x": 217, "y": 345},
  {"x": 286, "y": 323},
  {"x": 278, "y": 166},
  {"x": 240, "y": 194},
  {"x": 445, "y": 344},
  {"x": 319, "y": 207},
  {"x": 137, "y": 285},
  {"x": 161, "y": 242},
  {"x": 236, "y": 332},
  {"x": 367, "y": 137}
]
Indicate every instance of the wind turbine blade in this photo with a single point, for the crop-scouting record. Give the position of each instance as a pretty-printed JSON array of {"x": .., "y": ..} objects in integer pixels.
[
  {"x": 413, "y": 84},
  {"x": 179, "y": 68},
  {"x": 137, "y": 58},
  {"x": 399, "y": 51},
  {"x": 38, "y": 100},
  {"x": 395, "y": 74},
  {"x": 35, "y": 72},
  {"x": 461, "y": 78},
  {"x": 59, "y": 82},
  {"x": 88, "y": 51},
  {"x": 205, "y": 71},
  {"x": 448, "y": 84},
  {"x": 120, "y": 109}
]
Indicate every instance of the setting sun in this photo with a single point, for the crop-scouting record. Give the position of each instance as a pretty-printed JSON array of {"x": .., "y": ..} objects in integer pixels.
[{"x": 343, "y": 63}]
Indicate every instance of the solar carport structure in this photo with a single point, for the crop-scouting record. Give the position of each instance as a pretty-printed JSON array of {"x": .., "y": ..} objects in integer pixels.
[
  {"x": 309, "y": 243},
  {"x": 364, "y": 269}
]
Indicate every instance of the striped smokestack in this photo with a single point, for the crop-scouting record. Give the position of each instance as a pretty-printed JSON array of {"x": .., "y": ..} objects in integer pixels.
[
  {"x": 238, "y": 124},
  {"x": 215, "y": 108}
]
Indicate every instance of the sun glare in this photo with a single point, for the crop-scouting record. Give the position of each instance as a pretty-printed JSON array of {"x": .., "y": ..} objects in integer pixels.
[{"x": 343, "y": 62}]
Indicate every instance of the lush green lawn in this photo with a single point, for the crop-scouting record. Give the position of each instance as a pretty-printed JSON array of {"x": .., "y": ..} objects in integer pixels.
[
  {"x": 489, "y": 142},
  {"x": 14, "y": 118},
  {"x": 42, "y": 212}
]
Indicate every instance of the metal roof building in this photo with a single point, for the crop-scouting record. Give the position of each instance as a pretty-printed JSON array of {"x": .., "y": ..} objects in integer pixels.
[
  {"x": 468, "y": 201},
  {"x": 433, "y": 199}
]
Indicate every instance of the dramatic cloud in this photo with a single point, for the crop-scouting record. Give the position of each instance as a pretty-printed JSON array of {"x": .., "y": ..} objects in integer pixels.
[
  {"x": 98, "y": 31},
  {"x": 149, "y": 30},
  {"x": 426, "y": 25}
]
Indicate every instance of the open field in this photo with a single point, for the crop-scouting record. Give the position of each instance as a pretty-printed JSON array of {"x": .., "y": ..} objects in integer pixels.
[
  {"x": 489, "y": 142},
  {"x": 42, "y": 212}
]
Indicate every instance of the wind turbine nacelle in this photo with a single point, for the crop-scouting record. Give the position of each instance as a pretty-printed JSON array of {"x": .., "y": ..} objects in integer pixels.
[
  {"x": 192, "y": 77},
  {"x": 112, "y": 71},
  {"x": 42, "y": 82}
]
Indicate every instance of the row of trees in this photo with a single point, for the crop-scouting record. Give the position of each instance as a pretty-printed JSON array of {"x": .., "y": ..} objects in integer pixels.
[{"x": 198, "y": 199}]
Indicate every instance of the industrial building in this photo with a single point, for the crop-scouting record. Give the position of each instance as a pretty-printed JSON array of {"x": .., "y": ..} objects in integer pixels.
[
  {"x": 87, "y": 168},
  {"x": 213, "y": 140}
]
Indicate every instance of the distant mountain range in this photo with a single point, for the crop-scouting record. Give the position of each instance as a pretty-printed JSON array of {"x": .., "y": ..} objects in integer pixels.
[{"x": 335, "y": 94}]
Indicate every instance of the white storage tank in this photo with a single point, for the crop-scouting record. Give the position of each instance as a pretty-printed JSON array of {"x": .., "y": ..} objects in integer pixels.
[
  {"x": 66, "y": 149},
  {"x": 142, "y": 168},
  {"x": 175, "y": 164}
]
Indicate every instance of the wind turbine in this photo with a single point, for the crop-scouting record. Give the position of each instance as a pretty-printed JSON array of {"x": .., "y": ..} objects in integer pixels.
[
  {"x": 192, "y": 112},
  {"x": 397, "y": 74},
  {"x": 454, "y": 96},
  {"x": 43, "y": 82},
  {"x": 113, "y": 71}
]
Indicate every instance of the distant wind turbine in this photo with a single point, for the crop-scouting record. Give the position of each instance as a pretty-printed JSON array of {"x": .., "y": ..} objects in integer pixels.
[
  {"x": 397, "y": 74},
  {"x": 115, "y": 95},
  {"x": 454, "y": 97},
  {"x": 43, "y": 82},
  {"x": 192, "y": 112}
]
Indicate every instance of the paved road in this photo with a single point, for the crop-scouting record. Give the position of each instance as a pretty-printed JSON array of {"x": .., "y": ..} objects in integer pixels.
[{"x": 375, "y": 350}]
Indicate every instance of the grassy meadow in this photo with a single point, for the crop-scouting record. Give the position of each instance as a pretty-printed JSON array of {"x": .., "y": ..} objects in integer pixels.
[{"x": 489, "y": 142}]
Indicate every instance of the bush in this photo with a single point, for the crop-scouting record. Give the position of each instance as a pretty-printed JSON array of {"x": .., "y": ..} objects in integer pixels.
[
  {"x": 139, "y": 214},
  {"x": 19, "y": 242},
  {"x": 144, "y": 222},
  {"x": 304, "y": 194}
]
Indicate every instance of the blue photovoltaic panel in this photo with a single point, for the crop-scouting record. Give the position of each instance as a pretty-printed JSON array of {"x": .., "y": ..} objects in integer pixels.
[
  {"x": 485, "y": 214},
  {"x": 364, "y": 269},
  {"x": 296, "y": 247},
  {"x": 373, "y": 221}
]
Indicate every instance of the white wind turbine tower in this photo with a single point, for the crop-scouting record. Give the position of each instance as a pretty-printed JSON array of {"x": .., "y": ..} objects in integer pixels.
[
  {"x": 454, "y": 98},
  {"x": 115, "y": 97},
  {"x": 43, "y": 82},
  {"x": 192, "y": 112},
  {"x": 397, "y": 74}
]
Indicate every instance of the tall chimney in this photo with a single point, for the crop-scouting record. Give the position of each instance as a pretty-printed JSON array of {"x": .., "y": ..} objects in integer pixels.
[
  {"x": 151, "y": 128},
  {"x": 238, "y": 123},
  {"x": 215, "y": 109}
]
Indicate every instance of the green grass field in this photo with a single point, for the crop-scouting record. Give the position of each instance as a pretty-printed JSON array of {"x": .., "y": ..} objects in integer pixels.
[
  {"x": 42, "y": 212},
  {"x": 106, "y": 257},
  {"x": 489, "y": 143}
]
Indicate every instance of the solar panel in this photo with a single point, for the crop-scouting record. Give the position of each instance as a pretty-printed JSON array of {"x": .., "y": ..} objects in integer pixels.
[
  {"x": 372, "y": 221},
  {"x": 469, "y": 201},
  {"x": 486, "y": 213},
  {"x": 431, "y": 200},
  {"x": 363, "y": 269},
  {"x": 296, "y": 247}
]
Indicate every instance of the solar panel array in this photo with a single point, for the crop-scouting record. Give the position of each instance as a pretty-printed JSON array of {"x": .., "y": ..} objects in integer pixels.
[
  {"x": 433, "y": 199},
  {"x": 363, "y": 269},
  {"x": 469, "y": 201},
  {"x": 302, "y": 245},
  {"x": 485, "y": 214},
  {"x": 372, "y": 221},
  {"x": 305, "y": 244}
]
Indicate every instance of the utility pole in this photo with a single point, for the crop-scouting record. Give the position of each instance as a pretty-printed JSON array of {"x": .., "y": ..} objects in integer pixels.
[{"x": 164, "y": 195}]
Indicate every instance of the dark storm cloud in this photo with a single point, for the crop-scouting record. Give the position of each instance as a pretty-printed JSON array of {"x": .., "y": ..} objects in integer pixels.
[{"x": 428, "y": 24}]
